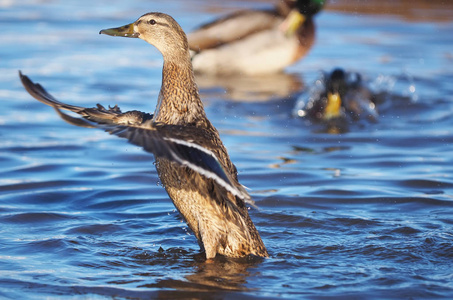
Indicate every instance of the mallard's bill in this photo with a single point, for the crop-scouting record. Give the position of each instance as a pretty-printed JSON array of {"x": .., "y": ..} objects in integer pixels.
[
  {"x": 333, "y": 107},
  {"x": 292, "y": 22},
  {"x": 126, "y": 31}
]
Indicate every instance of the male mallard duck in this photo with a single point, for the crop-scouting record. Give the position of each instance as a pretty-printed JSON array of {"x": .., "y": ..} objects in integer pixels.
[
  {"x": 338, "y": 95},
  {"x": 255, "y": 42},
  {"x": 192, "y": 163}
]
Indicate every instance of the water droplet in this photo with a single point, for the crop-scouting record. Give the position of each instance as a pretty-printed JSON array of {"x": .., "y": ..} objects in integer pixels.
[{"x": 301, "y": 113}]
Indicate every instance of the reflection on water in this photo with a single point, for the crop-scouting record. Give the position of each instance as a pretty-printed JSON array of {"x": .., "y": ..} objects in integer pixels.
[
  {"x": 222, "y": 274},
  {"x": 197, "y": 275},
  {"x": 250, "y": 88}
]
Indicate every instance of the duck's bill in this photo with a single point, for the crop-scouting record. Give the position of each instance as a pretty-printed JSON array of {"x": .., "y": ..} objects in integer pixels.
[
  {"x": 333, "y": 108},
  {"x": 292, "y": 23},
  {"x": 126, "y": 31}
]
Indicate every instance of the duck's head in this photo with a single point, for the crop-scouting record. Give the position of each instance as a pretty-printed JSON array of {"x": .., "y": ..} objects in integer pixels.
[
  {"x": 348, "y": 90},
  {"x": 309, "y": 8},
  {"x": 301, "y": 10},
  {"x": 336, "y": 88},
  {"x": 158, "y": 29}
]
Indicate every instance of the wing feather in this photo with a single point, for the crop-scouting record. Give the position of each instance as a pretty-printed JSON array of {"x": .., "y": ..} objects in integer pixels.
[{"x": 172, "y": 142}]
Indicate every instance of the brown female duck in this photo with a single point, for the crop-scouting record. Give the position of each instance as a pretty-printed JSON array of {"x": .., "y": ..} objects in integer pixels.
[
  {"x": 191, "y": 160},
  {"x": 255, "y": 42}
]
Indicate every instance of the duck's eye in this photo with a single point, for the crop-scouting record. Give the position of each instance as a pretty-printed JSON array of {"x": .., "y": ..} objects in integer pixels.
[{"x": 152, "y": 22}]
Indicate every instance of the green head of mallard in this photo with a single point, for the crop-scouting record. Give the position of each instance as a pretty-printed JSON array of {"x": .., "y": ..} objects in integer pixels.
[
  {"x": 336, "y": 88},
  {"x": 309, "y": 7},
  {"x": 346, "y": 92},
  {"x": 300, "y": 12}
]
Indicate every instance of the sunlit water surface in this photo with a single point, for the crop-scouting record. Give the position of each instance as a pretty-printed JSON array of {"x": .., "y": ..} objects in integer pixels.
[{"x": 366, "y": 213}]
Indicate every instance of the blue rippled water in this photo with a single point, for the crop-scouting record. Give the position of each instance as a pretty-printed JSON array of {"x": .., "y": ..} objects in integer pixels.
[{"x": 363, "y": 214}]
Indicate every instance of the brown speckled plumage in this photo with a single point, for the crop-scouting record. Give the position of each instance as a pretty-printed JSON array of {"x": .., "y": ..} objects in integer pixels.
[{"x": 217, "y": 215}]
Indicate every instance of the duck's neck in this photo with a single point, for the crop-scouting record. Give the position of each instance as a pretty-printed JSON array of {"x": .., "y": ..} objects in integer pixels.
[{"x": 179, "y": 102}]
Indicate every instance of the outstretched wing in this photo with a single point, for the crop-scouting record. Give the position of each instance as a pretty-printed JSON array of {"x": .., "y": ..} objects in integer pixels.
[
  {"x": 172, "y": 142},
  {"x": 165, "y": 141}
]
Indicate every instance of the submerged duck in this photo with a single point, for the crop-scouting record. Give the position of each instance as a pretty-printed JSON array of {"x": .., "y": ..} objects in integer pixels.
[
  {"x": 338, "y": 96},
  {"x": 255, "y": 42},
  {"x": 191, "y": 160}
]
